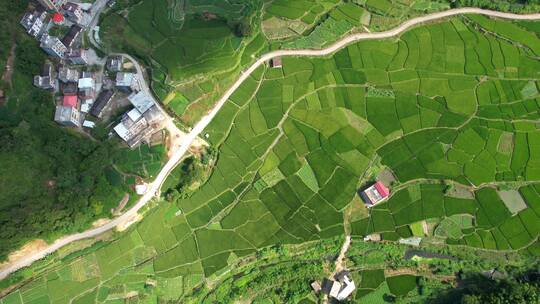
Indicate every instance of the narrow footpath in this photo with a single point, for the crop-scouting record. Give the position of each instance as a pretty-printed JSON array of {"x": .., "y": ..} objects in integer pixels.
[{"x": 201, "y": 125}]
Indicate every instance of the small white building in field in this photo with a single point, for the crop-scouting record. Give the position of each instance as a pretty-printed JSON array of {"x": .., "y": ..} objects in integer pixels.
[{"x": 340, "y": 288}]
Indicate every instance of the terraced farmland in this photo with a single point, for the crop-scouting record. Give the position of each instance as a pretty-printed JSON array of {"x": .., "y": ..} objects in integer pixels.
[
  {"x": 195, "y": 51},
  {"x": 447, "y": 105}
]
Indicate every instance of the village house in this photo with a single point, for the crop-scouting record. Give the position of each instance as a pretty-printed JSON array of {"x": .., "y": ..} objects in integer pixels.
[
  {"x": 69, "y": 88},
  {"x": 411, "y": 241},
  {"x": 34, "y": 22},
  {"x": 125, "y": 81},
  {"x": 46, "y": 79},
  {"x": 87, "y": 94},
  {"x": 73, "y": 11},
  {"x": 77, "y": 56},
  {"x": 316, "y": 286},
  {"x": 137, "y": 127},
  {"x": 374, "y": 237},
  {"x": 340, "y": 288},
  {"x": 86, "y": 83},
  {"x": 52, "y": 46},
  {"x": 67, "y": 116},
  {"x": 101, "y": 102},
  {"x": 132, "y": 128},
  {"x": 276, "y": 62},
  {"x": 71, "y": 36},
  {"x": 52, "y": 4},
  {"x": 141, "y": 101},
  {"x": 154, "y": 117},
  {"x": 70, "y": 101},
  {"x": 89, "y": 124},
  {"x": 87, "y": 88},
  {"x": 65, "y": 74},
  {"x": 114, "y": 63},
  {"x": 375, "y": 194},
  {"x": 86, "y": 105}
]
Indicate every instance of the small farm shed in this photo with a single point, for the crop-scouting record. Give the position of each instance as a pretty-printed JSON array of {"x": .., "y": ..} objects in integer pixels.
[
  {"x": 276, "y": 62},
  {"x": 375, "y": 194}
]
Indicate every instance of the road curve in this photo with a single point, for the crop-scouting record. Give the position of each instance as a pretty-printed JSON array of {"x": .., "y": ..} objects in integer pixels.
[{"x": 201, "y": 125}]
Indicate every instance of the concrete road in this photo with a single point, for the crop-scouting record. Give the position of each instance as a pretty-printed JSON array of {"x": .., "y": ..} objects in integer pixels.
[{"x": 199, "y": 127}]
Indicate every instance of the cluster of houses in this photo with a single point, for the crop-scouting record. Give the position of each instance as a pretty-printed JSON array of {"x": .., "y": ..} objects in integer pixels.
[
  {"x": 39, "y": 21},
  {"x": 84, "y": 84}
]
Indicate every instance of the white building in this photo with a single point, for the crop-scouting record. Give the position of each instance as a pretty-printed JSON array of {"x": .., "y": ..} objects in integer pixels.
[
  {"x": 347, "y": 289},
  {"x": 412, "y": 241},
  {"x": 86, "y": 105},
  {"x": 67, "y": 116},
  {"x": 34, "y": 21},
  {"x": 53, "y": 46},
  {"x": 89, "y": 124},
  {"x": 86, "y": 83},
  {"x": 141, "y": 189},
  {"x": 341, "y": 288}
]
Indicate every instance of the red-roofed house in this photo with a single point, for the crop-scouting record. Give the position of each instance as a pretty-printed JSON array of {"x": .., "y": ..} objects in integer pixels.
[
  {"x": 70, "y": 101},
  {"x": 375, "y": 194},
  {"x": 58, "y": 18}
]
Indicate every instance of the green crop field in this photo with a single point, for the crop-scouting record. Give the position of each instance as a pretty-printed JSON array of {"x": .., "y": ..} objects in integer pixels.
[
  {"x": 195, "y": 49},
  {"x": 432, "y": 106},
  {"x": 143, "y": 161}
]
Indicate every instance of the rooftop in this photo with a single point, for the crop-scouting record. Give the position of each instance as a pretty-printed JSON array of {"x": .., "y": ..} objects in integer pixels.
[
  {"x": 276, "y": 62},
  {"x": 57, "y": 18},
  {"x": 141, "y": 101},
  {"x": 124, "y": 79},
  {"x": 85, "y": 83},
  {"x": 340, "y": 288},
  {"x": 375, "y": 194},
  {"x": 89, "y": 124},
  {"x": 134, "y": 114},
  {"x": 70, "y": 37},
  {"x": 132, "y": 132},
  {"x": 66, "y": 114},
  {"x": 70, "y": 101},
  {"x": 101, "y": 102}
]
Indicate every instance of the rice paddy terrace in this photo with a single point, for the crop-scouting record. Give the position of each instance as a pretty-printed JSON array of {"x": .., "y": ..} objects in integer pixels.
[{"x": 450, "y": 108}]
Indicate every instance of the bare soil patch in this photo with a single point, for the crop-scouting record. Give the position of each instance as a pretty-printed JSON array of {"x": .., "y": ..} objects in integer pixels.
[
  {"x": 29, "y": 248},
  {"x": 8, "y": 72}
]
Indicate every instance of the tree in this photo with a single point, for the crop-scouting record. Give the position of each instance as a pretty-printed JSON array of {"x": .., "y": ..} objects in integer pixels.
[
  {"x": 243, "y": 28},
  {"x": 477, "y": 289}
]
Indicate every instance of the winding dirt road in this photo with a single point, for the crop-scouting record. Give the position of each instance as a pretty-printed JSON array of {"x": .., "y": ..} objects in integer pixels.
[{"x": 201, "y": 125}]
